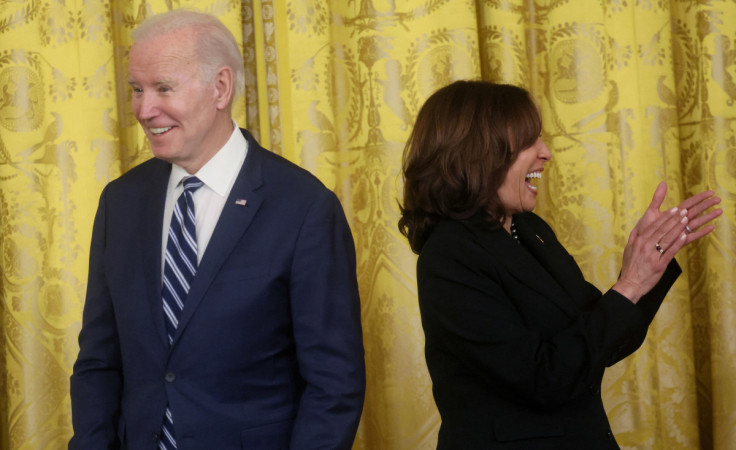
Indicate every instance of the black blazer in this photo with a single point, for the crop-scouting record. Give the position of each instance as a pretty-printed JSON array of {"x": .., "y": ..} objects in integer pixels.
[{"x": 517, "y": 340}]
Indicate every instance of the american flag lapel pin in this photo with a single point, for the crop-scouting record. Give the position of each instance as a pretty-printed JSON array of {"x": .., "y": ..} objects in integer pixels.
[{"x": 241, "y": 202}]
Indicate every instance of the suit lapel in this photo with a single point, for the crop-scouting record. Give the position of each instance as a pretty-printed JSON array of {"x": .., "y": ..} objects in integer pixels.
[
  {"x": 523, "y": 266},
  {"x": 154, "y": 198},
  {"x": 233, "y": 222}
]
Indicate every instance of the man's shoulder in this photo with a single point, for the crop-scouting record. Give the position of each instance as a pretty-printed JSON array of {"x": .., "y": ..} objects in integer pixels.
[
  {"x": 140, "y": 178},
  {"x": 145, "y": 170},
  {"x": 280, "y": 171}
]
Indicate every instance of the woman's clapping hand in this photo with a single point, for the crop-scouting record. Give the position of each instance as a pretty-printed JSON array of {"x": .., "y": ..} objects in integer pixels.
[{"x": 659, "y": 235}]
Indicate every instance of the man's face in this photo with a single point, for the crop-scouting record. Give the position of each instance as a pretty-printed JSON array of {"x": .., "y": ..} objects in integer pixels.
[{"x": 177, "y": 110}]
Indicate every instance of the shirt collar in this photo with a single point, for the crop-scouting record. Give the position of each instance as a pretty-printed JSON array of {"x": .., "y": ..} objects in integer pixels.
[{"x": 219, "y": 172}]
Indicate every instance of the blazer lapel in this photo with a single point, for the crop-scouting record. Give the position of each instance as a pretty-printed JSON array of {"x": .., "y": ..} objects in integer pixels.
[
  {"x": 523, "y": 266},
  {"x": 555, "y": 260},
  {"x": 237, "y": 214},
  {"x": 154, "y": 196}
]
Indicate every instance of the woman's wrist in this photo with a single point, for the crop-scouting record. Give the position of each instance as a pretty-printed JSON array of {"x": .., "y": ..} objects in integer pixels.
[{"x": 629, "y": 290}]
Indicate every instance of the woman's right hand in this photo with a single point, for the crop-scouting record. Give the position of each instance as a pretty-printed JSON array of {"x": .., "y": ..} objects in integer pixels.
[{"x": 658, "y": 236}]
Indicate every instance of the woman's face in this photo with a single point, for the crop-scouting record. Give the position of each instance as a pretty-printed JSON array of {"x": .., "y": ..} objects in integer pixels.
[{"x": 518, "y": 192}]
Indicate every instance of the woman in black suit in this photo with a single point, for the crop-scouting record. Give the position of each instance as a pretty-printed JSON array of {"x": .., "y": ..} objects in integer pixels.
[{"x": 516, "y": 339}]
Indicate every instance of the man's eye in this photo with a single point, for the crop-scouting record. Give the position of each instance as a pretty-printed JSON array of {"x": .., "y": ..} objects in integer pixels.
[
  {"x": 137, "y": 90},
  {"x": 164, "y": 89}
]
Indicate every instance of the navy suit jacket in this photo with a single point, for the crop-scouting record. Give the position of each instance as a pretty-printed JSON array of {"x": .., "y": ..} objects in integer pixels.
[
  {"x": 517, "y": 341},
  {"x": 268, "y": 352}
]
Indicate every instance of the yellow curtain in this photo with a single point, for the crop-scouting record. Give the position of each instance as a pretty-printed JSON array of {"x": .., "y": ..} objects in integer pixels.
[{"x": 630, "y": 92}]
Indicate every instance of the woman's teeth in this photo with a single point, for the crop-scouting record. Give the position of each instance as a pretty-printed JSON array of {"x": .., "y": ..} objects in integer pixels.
[{"x": 530, "y": 176}]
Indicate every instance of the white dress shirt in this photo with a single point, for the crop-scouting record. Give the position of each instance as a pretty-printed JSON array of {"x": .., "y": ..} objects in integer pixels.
[{"x": 218, "y": 176}]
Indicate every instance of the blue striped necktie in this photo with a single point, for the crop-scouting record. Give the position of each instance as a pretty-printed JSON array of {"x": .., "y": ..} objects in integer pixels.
[{"x": 180, "y": 267}]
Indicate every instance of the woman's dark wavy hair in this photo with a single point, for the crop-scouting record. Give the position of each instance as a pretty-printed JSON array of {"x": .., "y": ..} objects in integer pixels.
[{"x": 464, "y": 140}]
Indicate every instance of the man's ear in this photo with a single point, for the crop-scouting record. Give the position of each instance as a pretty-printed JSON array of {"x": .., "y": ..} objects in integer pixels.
[{"x": 223, "y": 87}]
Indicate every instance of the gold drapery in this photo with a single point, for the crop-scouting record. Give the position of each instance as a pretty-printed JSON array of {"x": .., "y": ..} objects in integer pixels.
[{"x": 631, "y": 93}]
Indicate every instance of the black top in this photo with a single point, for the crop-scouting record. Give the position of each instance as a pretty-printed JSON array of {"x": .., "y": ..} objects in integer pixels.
[{"x": 517, "y": 340}]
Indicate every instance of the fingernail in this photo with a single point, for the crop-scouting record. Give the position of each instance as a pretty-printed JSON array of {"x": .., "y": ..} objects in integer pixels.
[
  {"x": 683, "y": 220},
  {"x": 683, "y": 212},
  {"x": 683, "y": 237},
  {"x": 673, "y": 210}
]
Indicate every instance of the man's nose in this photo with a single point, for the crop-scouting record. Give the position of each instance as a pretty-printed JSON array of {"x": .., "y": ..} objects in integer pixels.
[{"x": 145, "y": 106}]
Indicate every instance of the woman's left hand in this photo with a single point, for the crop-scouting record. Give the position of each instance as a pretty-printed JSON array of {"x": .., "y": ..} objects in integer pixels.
[
  {"x": 694, "y": 205},
  {"x": 658, "y": 236}
]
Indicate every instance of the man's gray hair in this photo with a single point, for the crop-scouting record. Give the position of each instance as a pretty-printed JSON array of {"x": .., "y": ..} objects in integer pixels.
[{"x": 216, "y": 45}]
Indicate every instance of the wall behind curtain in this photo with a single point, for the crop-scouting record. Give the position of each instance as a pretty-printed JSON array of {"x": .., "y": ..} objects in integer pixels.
[{"x": 630, "y": 92}]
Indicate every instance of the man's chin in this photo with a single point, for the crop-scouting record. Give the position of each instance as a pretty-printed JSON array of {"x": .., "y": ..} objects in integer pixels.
[{"x": 163, "y": 153}]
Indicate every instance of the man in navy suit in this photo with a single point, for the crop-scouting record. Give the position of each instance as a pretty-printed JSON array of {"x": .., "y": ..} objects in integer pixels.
[{"x": 265, "y": 349}]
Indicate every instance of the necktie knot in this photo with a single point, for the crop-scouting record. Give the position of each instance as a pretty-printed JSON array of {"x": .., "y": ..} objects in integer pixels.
[{"x": 191, "y": 184}]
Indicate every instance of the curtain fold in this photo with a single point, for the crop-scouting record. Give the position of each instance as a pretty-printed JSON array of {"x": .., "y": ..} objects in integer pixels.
[{"x": 631, "y": 93}]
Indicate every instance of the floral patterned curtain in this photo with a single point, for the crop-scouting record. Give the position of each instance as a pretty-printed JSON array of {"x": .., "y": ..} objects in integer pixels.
[{"x": 631, "y": 92}]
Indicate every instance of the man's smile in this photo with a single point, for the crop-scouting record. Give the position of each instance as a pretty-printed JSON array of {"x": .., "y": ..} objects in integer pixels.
[{"x": 158, "y": 131}]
